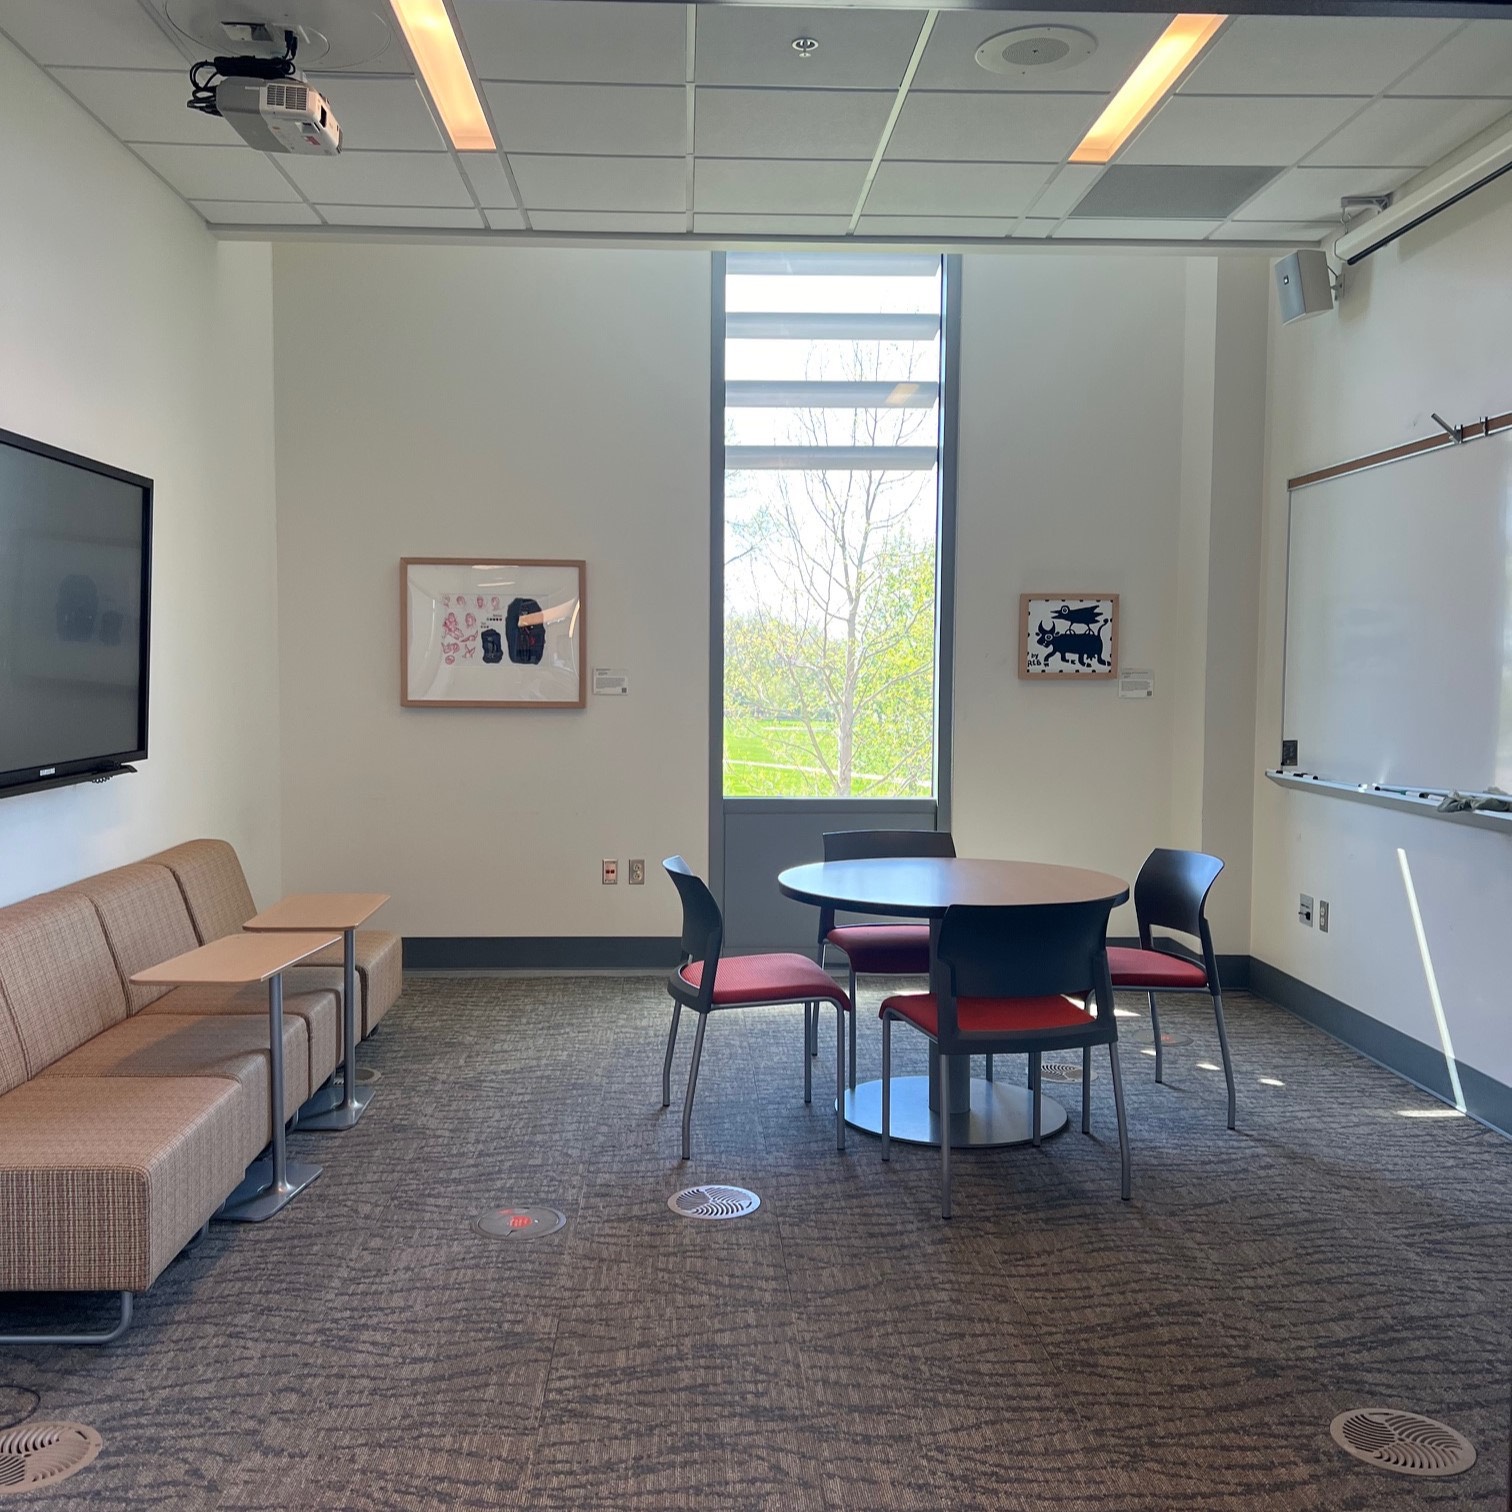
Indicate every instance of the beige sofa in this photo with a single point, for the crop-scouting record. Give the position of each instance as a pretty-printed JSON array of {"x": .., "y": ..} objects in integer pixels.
[{"x": 128, "y": 1114}]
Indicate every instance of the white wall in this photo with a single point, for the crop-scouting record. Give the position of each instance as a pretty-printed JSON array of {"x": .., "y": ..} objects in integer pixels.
[
  {"x": 127, "y": 334},
  {"x": 1424, "y": 325},
  {"x": 493, "y": 401}
]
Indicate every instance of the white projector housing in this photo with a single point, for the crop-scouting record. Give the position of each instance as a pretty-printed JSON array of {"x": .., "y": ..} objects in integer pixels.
[{"x": 279, "y": 115}]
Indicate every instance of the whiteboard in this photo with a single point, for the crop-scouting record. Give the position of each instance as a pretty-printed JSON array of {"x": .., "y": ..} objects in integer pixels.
[{"x": 1399, "y": 621}]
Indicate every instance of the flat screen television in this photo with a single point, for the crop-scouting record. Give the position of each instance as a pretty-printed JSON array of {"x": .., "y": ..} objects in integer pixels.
[{"x": 75, "y": 596}]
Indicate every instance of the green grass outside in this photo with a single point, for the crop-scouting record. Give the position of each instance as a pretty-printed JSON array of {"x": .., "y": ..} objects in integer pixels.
[{"x": 768, "y": 758}]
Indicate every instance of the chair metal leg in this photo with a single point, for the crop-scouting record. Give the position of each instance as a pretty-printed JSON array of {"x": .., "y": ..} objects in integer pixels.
[
  {"x": 1034, "y": 1090},
  {"x": 944, "y": 1136},
  {"x": 811, "y": 1027},
  {"x": 840, "y": 1017},
  {"x": 1223, "y": 1045},
  {"x": 667, "y": 1062},
  {"x": 855, "y": 1014},
  {"x": 989, "y": 1068},
  {"x": 1123, "y": 1127},
  {"x": 1159, "y": 1048},
  {"x": 1086, "y": 1089},
  {"x": 810, "y": 1013},
  {"x": 687, "y": 1118},
  {"x": 887, "y": 1086},
  {"x": 107, "y": 1336}
]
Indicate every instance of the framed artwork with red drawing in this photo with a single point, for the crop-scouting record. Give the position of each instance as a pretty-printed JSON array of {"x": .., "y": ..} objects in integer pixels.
[{"x": 501, "y": 634}]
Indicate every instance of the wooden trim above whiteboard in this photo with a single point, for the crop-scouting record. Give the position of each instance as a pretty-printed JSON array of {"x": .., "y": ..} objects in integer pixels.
[{"x": 1475, "y": 432}]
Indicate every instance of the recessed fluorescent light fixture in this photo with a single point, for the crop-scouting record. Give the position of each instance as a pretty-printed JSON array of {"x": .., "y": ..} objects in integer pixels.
[
  {"x": 1173, "y": 53},
  {"x": 438, "y": 55}
]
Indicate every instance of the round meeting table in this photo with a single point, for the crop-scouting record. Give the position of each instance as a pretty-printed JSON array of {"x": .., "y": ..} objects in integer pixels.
[{"x": 984, "y": 1113}]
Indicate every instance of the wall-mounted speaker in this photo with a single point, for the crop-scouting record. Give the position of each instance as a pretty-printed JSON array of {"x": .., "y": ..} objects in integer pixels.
[{"x": 1304, "y": 284}]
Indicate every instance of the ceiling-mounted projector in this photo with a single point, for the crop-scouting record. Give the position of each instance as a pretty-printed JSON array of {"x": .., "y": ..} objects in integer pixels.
[{"x": 263, "y": 99}]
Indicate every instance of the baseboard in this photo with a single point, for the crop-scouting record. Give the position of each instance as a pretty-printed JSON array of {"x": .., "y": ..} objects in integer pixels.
[
  {"x": 1486, "y": 1100},
  {"x": 540, "y": 952}
]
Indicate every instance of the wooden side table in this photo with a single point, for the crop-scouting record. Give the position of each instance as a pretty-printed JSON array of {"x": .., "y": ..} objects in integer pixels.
[
  {"x": 323, "y": 912},
  {"x": 238, "y": 961}
]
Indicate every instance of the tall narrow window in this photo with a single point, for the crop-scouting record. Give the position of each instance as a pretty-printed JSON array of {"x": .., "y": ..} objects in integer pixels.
[{"x": 832, "y": 424}]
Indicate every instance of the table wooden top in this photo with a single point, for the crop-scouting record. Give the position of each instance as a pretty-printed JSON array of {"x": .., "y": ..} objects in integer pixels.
[
  {"x": 319, "y": 911},
  {"x": 925, "y": 886},
  {"x": 235, "y": 960}
]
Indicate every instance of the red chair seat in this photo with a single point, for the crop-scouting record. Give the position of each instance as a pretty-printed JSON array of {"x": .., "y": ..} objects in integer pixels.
[
  {"x": 884, "y": 949},
  {"x": 1153, "y": 969},
  {"x": 992, "y": 1015},
  {"x": 767, "y": 979}
]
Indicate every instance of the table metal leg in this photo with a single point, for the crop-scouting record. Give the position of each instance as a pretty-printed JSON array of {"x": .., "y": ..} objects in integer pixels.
[
  {"x": 354, "y": 1099},
  {"x": 260, "y": 1196}
]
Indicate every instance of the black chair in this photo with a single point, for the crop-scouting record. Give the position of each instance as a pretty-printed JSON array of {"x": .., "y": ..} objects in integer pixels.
[
  {"x": 1012, "y": 975},
  {"x": 900, "y": 949},
  {"x": 1171, "y": 892},
  {"x": 704, "y": 982}
]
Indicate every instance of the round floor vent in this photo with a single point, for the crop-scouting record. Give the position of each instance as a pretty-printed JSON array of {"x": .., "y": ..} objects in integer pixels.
[
  {"x": 1406, "y": 1442},
  {"x": 519, "y": 1223},
  {"x": 1036, "y": 49},
  {"x": 713, "y": 1202},
  {"x": 1063, "y": 1070},
  {"x": 38, "y": 1454}
]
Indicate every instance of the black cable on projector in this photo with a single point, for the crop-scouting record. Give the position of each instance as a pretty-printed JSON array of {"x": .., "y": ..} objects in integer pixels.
[{"x": 202, "y": 89}]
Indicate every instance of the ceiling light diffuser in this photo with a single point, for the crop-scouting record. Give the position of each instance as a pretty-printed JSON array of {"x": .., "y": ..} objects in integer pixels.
[
  {"x": 438, "y": 55},
  {"x": 1156, "y": 75}
]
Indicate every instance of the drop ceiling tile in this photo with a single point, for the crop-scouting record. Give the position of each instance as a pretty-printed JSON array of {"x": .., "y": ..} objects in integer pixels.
[
  {"x": 1314, "y": 193},
  {"x": 89, "y": 33},
  {"x": 1237, "y": 129},
  {"x": 1475, "y": 61},
  {"x": 753, "y": 45},
  {"x": 596, "y": 120},
  {"x": 436, "y": 217},
  {"x": 599, "y": 183},
  {"x": 251, "y": 213},
  {"x": 594, "y": 41},
  {"x": 1030, "y": 229},
  {"x": 382, "y": 115},
  {"x": 991, "y": 189},
  {"x": 756, "y": 186},
  {"x": 790, "y": 123},
  {"x": 934, "y": 225},
  {"x": 773, "y": 225},
  {"x": 489, "y": 181},
  {"x": 992, "y": 128},
  {"x": 381, "y": 178},
  {"x": 504, "y": 220},
  {"x": 630, "y": 222},
  {"x": 219, "y": 172},
  {"x": 949, "y": 60},
  {"x": 1322, "y": 55},
  {"x": 1136, "y": 230},
  {"x": 1398, "y": 133},
  {"x": 1061, "y": 195},
  {"x": 144, "y": 107},
  {"x": 1193, "y": 191},
  {"x": 1300, "y": 233}
]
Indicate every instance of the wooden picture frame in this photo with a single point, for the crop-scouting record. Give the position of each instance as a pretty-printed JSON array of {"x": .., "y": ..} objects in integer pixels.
[
  {"x": 1056, "y": 635},
  {"x": 500, "y": 633}
]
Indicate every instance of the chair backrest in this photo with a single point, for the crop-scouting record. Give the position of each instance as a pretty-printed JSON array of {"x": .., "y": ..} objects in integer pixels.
[
  {"x": 1171, "y": 893},
  {"x": 1042, "y": 950},
  {"x": 866, "y": 845},
  {"x": 703, "y": 924}
]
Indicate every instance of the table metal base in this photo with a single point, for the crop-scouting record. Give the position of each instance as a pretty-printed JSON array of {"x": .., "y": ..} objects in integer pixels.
[
  {"x": 259, "y": 1197},
  {"x": 1000, "y": 1114},
  {"x": 331, "y": 1109}
]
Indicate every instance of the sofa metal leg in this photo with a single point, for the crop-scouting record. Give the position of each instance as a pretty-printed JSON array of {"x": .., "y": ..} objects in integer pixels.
[{"x": 108, "y": 1336}]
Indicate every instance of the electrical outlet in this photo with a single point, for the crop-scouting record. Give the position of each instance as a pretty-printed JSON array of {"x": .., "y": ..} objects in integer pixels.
[
  {"x": 637, "y": 873},
  {"x": 1288, "y": 753},
  {"x": 1304, "y": 910},
  {"x": 1323, "y": 915},
  {"x": 611, "y": 873}
]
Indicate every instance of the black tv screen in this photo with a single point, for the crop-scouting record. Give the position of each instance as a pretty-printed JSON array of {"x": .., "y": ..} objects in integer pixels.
[{"x": 75, "y": 579}]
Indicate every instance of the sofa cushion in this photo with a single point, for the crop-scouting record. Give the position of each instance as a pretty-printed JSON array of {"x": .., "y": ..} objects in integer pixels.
[
  {"x": 380, "y": 973},
  {"x": 229, "y": 1045},
  {"x": 58, "y": 976},
  {"x": 319, "y": 1012},
  {"x": 213, "y": 884},
  {"x": 145, "y": 921},
  {"x": 104, "y": 1180},
  {"x": 12, "y": 1057}
]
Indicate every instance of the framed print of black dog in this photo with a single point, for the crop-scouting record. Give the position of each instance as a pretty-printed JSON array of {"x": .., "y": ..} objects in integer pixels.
[{"x": 1068, "y": 636}]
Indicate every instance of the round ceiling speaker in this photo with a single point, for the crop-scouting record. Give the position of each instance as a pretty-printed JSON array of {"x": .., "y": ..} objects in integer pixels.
[
  {"x": 330, "y": 33},
  {"x": 1035, "y": 49}
]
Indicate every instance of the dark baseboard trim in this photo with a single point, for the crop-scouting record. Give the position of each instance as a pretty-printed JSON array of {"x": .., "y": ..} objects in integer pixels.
[
  {"x": 540, "y": 952},
  {"x": 1486, "y": 1100}
]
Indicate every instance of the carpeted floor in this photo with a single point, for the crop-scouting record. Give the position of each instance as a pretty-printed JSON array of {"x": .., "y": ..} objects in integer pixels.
[{"x": 1051, "y": 1348}]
